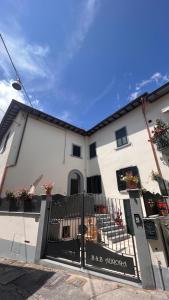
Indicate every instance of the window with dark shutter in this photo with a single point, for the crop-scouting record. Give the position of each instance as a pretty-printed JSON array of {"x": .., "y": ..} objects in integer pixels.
[
  {"x": 94, "y": 184},
  {"x": 76, "y": 151},
  {"x": 121, "y": 137},
  {"x": 92, "y": 150},
  {"x": 122, "y": 172}
]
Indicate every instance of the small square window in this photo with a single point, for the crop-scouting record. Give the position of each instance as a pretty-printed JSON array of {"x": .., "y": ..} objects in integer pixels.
[
  {"x": 121, "y": 137},
  {"x": 76, "y": 151},
  {"x": 92, "y": 150},
  {"x": 122, "y": 172}
]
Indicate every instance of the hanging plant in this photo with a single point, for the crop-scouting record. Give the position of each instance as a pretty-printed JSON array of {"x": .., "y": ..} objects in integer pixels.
[{"x": 160, "y": 135}]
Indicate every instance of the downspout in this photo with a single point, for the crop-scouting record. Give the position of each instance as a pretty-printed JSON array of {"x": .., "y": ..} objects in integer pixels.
[
  {"x": 17, "y": 156},
  {"x": 143, "y": 103}
]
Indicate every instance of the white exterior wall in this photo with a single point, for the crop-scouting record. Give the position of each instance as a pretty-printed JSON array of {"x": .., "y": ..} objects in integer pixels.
[
  {"x": 46, "y": 150},
  {"x": 19, "y": 239},
  {"x": 8, "y": 157},
  {"x": 138, "y": 153}
]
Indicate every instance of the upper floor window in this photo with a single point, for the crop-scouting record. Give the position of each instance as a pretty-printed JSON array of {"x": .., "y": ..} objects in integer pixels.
[
  {"x": 121, "y": 137},
  {"x": 5, "y": 143},
  {"x": 92, "y": 150},
  {"x": 76, "y": 151}
]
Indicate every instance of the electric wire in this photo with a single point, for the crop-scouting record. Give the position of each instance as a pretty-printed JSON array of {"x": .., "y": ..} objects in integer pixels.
[{"x": 17, "y": 73}]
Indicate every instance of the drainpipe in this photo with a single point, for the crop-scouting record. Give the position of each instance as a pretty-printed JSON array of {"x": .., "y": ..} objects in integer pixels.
[{"x": 143, "y": 102}]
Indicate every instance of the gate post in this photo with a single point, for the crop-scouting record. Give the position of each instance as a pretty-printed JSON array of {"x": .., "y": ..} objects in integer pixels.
[
  {"x": 43, "y": 226},
  {"x": 82, "y": 231},
  {"x": 144, "y": 257}
]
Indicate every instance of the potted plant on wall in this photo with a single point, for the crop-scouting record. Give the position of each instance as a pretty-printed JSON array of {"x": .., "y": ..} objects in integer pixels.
[
  {"x": 160, "y": 135},
  {"x": 48, "y": 188},
  {"x": 11, "y": 198},
  {"x": 26, "y": 198},
  {"x": 131, "y": 180}
]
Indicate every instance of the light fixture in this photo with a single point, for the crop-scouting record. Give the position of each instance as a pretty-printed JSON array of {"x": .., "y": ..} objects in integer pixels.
[{"x": 17, "y": 85}]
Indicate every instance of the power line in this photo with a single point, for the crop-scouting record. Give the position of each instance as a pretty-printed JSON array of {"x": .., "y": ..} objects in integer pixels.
[{"x": 17, "y": 73}]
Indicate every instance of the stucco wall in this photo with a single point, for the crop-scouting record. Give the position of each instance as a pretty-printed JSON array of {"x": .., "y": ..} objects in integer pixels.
[
  {"x": 8, "y": 157},
  {"x": 18, "y": 240},
  {"x": 46, "y": 150},
  {"x": 138, "y": 153}
]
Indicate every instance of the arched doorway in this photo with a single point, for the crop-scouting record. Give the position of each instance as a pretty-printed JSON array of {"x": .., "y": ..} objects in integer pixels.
[{"x": 75, "y": 182}]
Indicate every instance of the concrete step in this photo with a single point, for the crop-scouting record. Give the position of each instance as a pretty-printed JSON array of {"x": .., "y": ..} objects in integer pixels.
[
  {"x": 101, "y": 216},
  {"x": 111, "y": 228},
  {"x": 106, "y": 224},
  {"x": 104, "y": 219},
  {"x": 119, "y": 238},
  {"x": 115, "y": 233}
]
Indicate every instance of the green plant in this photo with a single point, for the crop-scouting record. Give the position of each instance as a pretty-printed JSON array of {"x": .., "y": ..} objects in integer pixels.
[
  {"x": 160, "y": 135},
  {"x": 130, "y": 178},
  {"x": 10, "y": 194},
  {"x": 23, "y": 193},
  {"x": 155, "y": 176}
]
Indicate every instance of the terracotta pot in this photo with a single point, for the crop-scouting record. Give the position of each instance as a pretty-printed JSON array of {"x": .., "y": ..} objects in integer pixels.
[
  {"x": 131, "y": 185},
  {"x": 49, "y": 192},
  {"x": 163, "y": 212}
]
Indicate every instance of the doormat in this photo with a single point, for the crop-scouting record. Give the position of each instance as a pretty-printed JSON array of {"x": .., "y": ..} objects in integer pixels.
[
  {"x": 55, "y": 280},
  {"x": 76, "y": 281},
  {"x": 10, "y": 274}
]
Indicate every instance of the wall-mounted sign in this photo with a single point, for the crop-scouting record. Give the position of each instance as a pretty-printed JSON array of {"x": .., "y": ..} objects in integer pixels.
[
  {"x": 138, "y": 220},
  {"x": 150, "y": 230},
  {"x": 100, "y": 257}
]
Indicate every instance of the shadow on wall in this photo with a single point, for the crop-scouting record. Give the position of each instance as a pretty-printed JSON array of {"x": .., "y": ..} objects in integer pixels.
[{"x": 21, "y": 282}]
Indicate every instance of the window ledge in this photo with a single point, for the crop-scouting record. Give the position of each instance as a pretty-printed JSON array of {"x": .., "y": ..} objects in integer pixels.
[
  {"x": 90, "y": 158},
  {"x": 124, "y": 146},
  {"x": 76, "y": 156},
  {"x": 123, "y": 192}
]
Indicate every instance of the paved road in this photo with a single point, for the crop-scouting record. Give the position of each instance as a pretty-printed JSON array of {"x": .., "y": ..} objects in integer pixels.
[{"x": 19, "y": 280}]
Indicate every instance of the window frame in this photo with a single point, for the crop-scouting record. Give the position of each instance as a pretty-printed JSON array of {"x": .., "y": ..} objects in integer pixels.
[
  {"x": 126, "y": 136},
  {"x": 121, "y": 172},
  {"x": 80, "y": 147},
  {"x": 92, "y": 185},
  {"x": 91, "y": 157}
]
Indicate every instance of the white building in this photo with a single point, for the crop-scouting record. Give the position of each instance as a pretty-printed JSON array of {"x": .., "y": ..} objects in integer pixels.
[{"x": 34, "y": 144}]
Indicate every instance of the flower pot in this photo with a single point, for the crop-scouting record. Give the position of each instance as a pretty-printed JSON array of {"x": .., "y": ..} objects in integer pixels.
[
  {"x": 163, "y": 212},
  {"x": 131, "y": 185},
  {"x": 27, "y": 205},
  {"x": 12, "y": 204}
]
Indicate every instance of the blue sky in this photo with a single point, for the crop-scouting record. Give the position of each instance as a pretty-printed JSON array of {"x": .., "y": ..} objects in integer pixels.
[{"x": 80, "y": 60}]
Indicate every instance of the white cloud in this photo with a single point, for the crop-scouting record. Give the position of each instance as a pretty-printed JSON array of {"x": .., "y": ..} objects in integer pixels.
[
  {"x": 29, "y": 59},
  {"x": 156, "y": 78},
  {"x": 7, "y": 93},
  {"x": 99, "y": 97}
]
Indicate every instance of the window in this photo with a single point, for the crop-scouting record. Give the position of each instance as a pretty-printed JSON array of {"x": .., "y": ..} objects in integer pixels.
[
  {"x": 121, "y": 137},
  {"x": 5, "y": 143},
  {"x": 76, "y": 151},
  {"x": 94, "y": 184},
  {"x": 122, "y": 172},
  {"x": 92, "y": 150}
]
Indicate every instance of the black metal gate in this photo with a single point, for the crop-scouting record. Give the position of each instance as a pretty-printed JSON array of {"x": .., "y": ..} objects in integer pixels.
[{"x": 93, "y": 232}]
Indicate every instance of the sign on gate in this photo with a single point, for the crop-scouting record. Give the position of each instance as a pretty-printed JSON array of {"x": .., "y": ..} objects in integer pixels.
[{"x": 100, "y": 257}]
